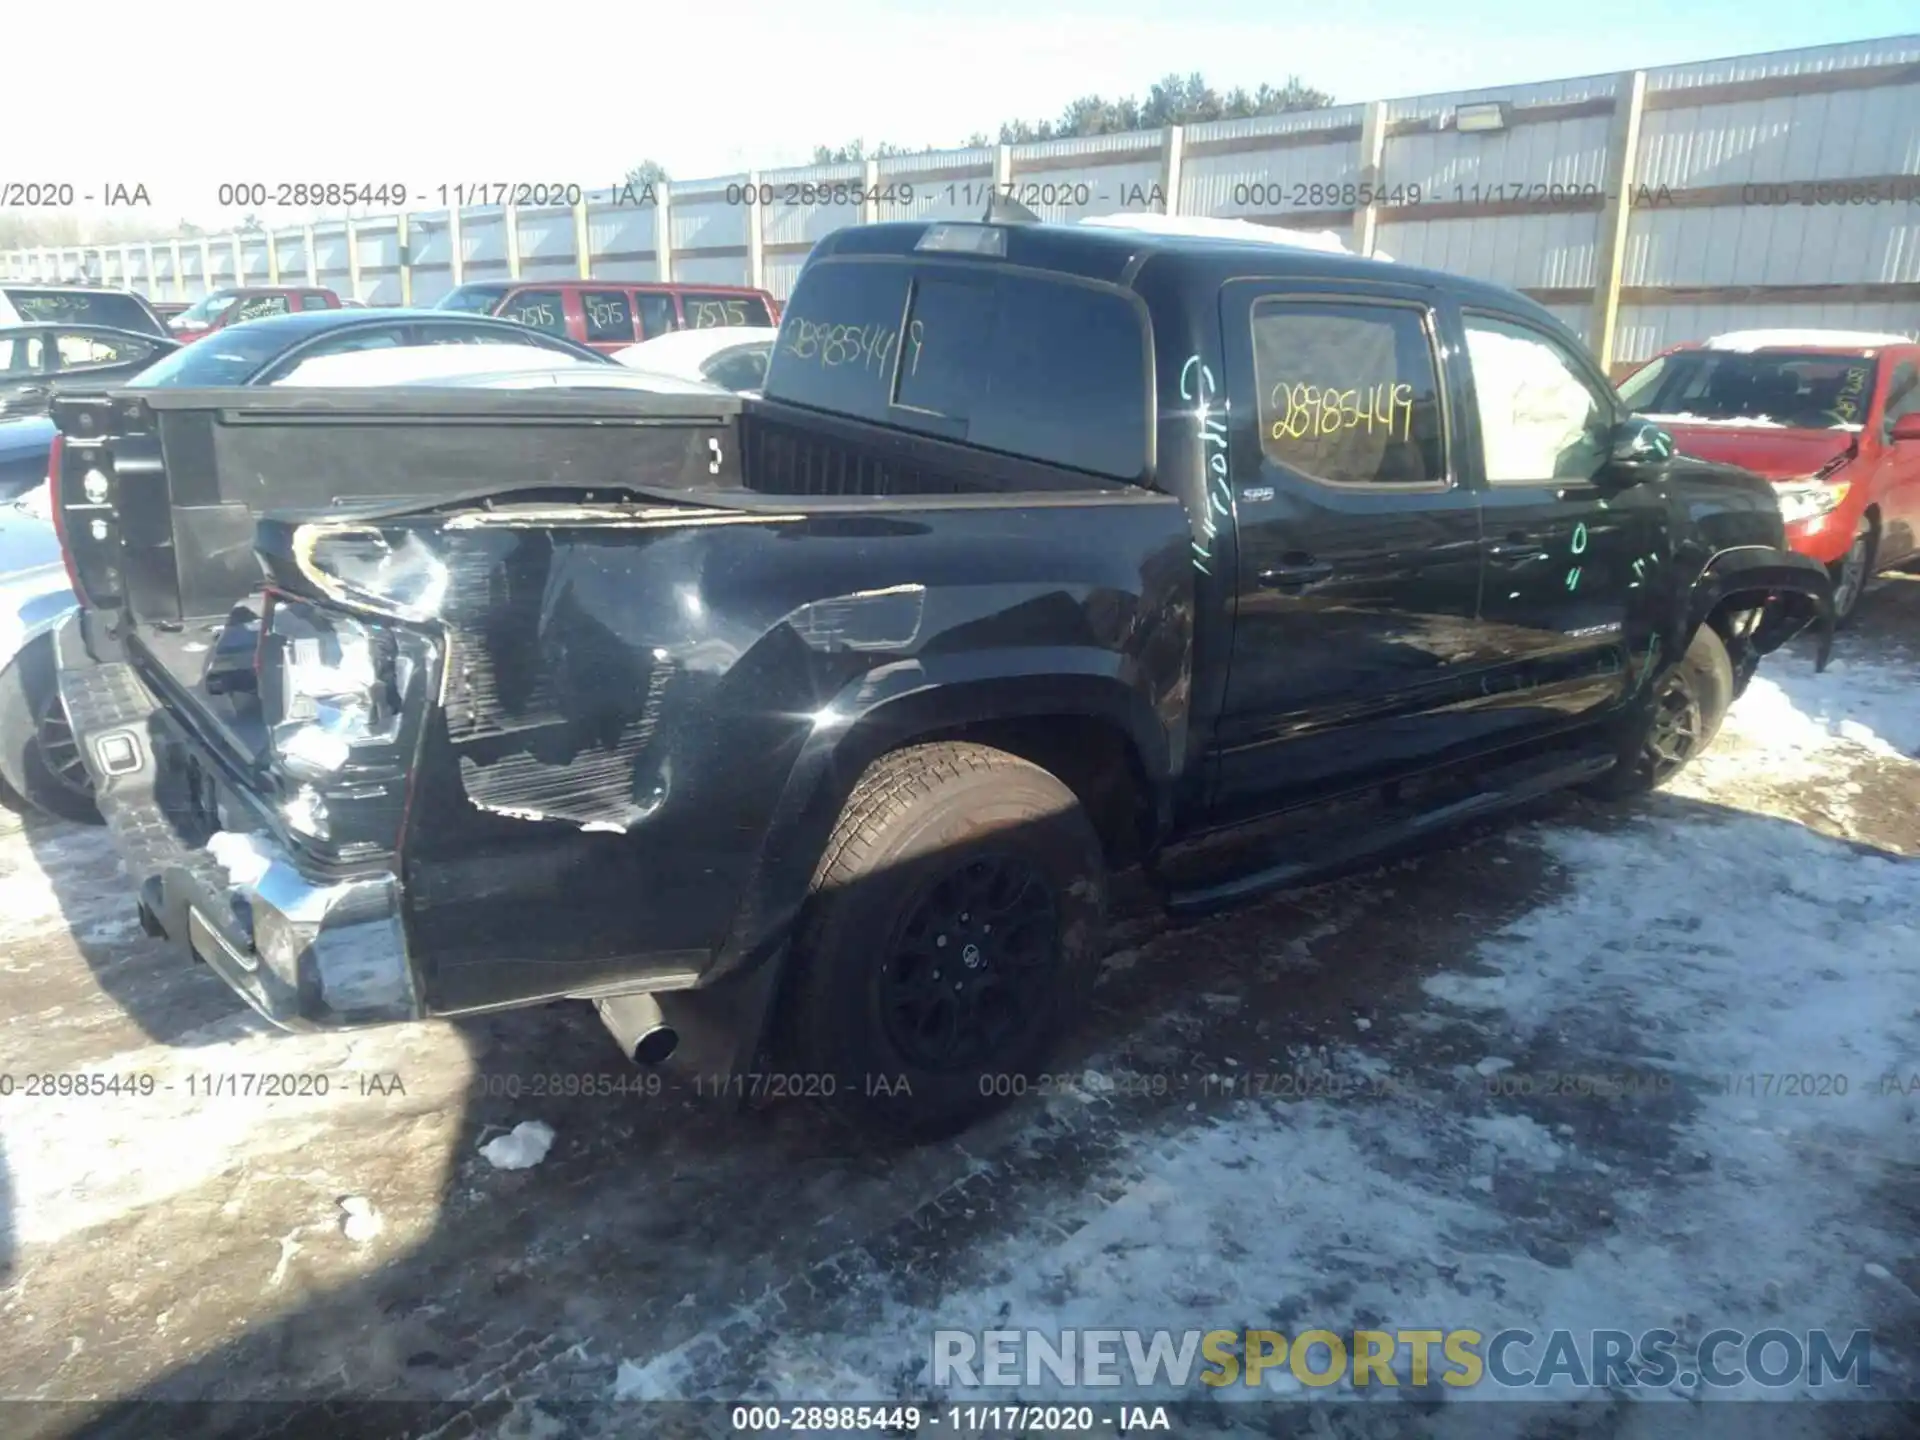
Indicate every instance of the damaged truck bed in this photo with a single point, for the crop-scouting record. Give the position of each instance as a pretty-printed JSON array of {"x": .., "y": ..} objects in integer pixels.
[{"x": 810, "y": 726}]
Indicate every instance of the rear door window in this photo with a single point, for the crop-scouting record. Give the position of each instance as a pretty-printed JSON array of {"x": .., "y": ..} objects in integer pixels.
[
  {"x": 1037, "y": 366},
  {"x": 657, "y": 315},
  {"x": 1349, "y": 392},
  {"x": 707, "y": 311},
  {"x": 83, "y": 350},
  {"x": 22, "y": 355},
  {"x": 538, "y": 309},
  {"x": 609, "y": 316},
  {"x": 313, "y": 300}
]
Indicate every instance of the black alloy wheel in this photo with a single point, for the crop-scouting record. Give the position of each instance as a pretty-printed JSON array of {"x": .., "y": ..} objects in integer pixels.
[
  {"x": 967, "y": 975},
  {"x": 1676, "y": 733}
]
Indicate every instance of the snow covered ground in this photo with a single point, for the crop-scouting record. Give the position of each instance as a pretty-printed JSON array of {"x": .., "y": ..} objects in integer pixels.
[{"x": 1335, "y": 1110}]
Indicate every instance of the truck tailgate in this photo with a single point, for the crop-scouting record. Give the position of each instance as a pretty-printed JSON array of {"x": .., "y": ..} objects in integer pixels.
[{"x": 159, "y": 493}]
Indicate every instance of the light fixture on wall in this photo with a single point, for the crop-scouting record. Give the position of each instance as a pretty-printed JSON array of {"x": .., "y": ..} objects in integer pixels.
[{"x": 1479, "y": 119}]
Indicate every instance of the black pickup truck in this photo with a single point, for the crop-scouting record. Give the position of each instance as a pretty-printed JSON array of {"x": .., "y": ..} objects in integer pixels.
[{"x": 802, "y": 732}]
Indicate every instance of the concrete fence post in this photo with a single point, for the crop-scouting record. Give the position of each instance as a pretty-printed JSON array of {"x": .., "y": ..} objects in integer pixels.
[
  {"x": 456, "y": 247},
  {"x": 353, "y": 259},
  {"x": 1003, "y": 167},
  {"x": 756, "y": 234},
  {"x": 582, "y": 239},
  {"x": 273, "y": 257},
  {"x": 403, "y": 253},
  {"x": 869, "y": 192},
  {"x": 663, "y": 230},
  {"x": 206, "y": 264},
  {"x": 1173, "y": 155},
  {"x": 510, "y": 216},
  {"x": 179, "y": 272},
  {"x": 1373, "y": 157},
  {"x": 1610, "y": 253}
]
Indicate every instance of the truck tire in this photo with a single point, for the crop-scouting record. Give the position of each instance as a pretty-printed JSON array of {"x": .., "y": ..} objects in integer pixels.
[
  {"x": 1690, "y": 700},
  {"x": 951, "y": 935},
  {"x": 38, "y": 757}
]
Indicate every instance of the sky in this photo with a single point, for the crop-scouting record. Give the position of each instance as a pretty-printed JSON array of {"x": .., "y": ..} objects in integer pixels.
[{"x": 427, "y": 96}]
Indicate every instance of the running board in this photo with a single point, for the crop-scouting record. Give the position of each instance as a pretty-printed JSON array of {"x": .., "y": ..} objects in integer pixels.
[{"x": 1519, "y": 785}]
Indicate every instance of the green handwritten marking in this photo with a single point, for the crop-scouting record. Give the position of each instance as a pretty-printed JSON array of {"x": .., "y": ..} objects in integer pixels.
[
  {"x": 1573, "y": 578},
  {"x": 1640, "y": 567},
  {"x": 1580, "y": 539}
]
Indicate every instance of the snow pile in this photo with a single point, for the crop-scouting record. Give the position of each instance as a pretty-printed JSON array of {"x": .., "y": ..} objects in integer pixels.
[
  {"x": 1711, "y": 953},
  {"x": 1749, "y": 340},
  {"x": 1213, "y": 228},
  {"x": 521, "y": 1148}
]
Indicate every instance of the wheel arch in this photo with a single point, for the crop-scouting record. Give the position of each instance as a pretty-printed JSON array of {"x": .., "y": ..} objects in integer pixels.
[{"x": 1756, "y": 599}]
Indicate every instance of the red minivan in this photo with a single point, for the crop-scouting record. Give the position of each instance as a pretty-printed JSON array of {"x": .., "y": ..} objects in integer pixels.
[
  {"x": 236, "y": 304},
  {"x": 610, "y": 315}
]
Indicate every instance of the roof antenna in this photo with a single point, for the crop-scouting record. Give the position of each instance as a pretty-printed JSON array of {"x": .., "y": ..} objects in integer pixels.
[{"x": 1005, "y": 210}]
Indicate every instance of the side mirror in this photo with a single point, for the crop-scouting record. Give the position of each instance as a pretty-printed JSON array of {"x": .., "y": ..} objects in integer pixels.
[
  {"x": 1637, "y": 450},
  {"x": 1907, "y": 427},
  {"x": 1639, "y": 443}
]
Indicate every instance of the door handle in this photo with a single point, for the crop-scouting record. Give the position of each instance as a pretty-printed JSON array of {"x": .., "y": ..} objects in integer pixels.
[
  {"x": 1295, "y": 572},
  {"x": 1516, "y": 548}
]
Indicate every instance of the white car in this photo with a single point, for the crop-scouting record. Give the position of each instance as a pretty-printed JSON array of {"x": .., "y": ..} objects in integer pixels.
[
  {"x": 734, "y": 357},
  {"x": 38, "y": 760}
]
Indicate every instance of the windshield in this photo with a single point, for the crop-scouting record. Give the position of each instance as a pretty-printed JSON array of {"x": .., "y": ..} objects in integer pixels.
[
  {"x": 206, "y": 309},
  {"x": 1767, "y": 389},
  {"x": 226, "y": 357},
  {"x": 472, "y": 299}
]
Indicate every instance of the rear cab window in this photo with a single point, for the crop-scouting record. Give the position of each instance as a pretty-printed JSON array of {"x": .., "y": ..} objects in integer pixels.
[
  {"x": 84, "y": 307},
  {"x": 1038, "y": 366}
]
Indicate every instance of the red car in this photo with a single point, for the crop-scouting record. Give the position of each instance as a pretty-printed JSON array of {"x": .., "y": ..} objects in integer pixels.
[
  {"x": 610, "y": 315},
  {"x": 1831, "y": 416},
  {"x": 236, "y": 304}
]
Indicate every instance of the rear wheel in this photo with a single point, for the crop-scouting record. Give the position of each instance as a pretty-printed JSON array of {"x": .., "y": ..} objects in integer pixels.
[
  {"x": 39, "y": 757},
  {"x": 1689, "y": 702},
  {"x": 1852, "y": 571},
  {"x": 952, "y": 934}
]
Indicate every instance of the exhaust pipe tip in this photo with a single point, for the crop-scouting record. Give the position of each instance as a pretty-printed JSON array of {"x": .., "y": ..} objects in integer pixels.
[
  {"x": 637, "y": 1025},
  {"x": 656, "y": 1047}
]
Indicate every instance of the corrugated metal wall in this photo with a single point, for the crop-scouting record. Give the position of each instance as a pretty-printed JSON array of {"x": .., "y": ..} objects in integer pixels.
[{"x": 1779, "y": 189}]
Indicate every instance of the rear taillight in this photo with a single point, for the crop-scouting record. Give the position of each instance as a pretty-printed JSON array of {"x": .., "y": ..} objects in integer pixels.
[{"x": 56, "y": 458}]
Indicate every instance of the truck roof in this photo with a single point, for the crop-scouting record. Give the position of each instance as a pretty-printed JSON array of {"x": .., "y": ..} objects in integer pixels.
[{"x": 1115, "y": 254}]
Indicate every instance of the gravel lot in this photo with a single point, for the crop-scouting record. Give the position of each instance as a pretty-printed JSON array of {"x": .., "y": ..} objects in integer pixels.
[{"x": 1292, "y": 1115}]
